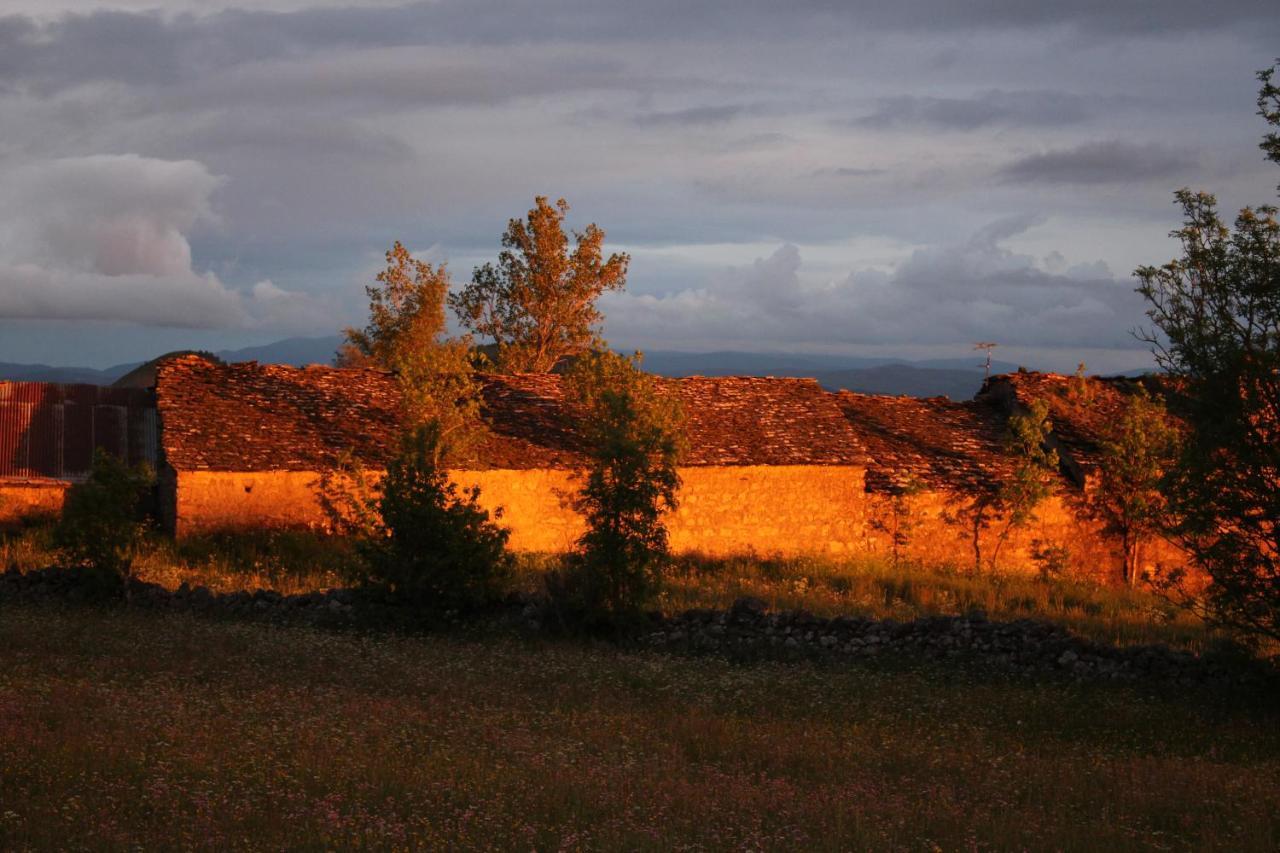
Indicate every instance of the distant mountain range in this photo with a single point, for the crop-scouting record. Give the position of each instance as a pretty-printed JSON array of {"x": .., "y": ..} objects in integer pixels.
[
  {"x": 958, "y": 378},
  {"x": 296, "y": 351}
]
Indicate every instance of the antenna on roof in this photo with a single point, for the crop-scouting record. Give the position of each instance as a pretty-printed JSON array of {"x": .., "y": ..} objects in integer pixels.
[{"x": 988, "y": 346}]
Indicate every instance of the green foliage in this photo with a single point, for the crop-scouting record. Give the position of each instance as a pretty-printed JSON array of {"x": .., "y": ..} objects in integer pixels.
[
  {"x": 538, "y": 304},
  {"x": 405, "y": 335},
  {"x": 1217, "y": 312},
  {"x": 348, "y": 497},
  {"x": 1138, "y": 451},
  {"x": 1012, "y": 499},
  {"x": 103, "y": 525},
  {"x": 632, "y": 432},
  {"x": 1051, "y": 559},
  {"x": 895, "y": 514},
  {"x": 440, "y": 551},
  {"x": 1036, "y": 464}
]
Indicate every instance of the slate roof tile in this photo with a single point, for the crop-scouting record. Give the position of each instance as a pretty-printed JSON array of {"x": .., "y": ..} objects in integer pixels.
[
  {"x": 931, "y": 442},
  {"x": 241, "y": 417}
]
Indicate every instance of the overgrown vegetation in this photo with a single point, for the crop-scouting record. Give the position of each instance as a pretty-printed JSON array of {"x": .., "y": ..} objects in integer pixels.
[
  {"x": 1137, "y": 452},
  {"x": 633, "y": 437},
  {"x": 438, "y": 549},
  {"x": 103, "y": 520},
  {"x": 894, "y": 514},
  {"x": 420, "y": 539},
  {"x": 292, "y": 562},
  {"x": 1011, "y": 502},
  {"x": 538, "y": 304},
  {"x": 1216, "y": 312}
]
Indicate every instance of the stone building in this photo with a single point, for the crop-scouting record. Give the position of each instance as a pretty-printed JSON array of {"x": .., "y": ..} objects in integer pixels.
[{"x": 773, "y": 466}]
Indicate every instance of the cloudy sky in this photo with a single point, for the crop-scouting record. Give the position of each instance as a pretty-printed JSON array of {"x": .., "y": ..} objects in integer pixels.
[{"x": 818, "y": 175}]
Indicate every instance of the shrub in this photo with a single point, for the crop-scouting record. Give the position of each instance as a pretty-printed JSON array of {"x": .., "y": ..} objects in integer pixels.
[
  {"x": 439, "y": 550},
  {"x": 103, "y": 523},
  {"x": 633, "y": 438}
]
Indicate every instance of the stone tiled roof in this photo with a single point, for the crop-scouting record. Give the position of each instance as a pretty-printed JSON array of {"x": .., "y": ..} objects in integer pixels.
[
  {"x": 270, "y": 417},
  {"x": 933, "y": 443},
  {"x": 244, "y": 417}
]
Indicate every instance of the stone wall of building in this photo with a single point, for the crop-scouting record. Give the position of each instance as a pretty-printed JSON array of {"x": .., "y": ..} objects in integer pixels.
[
  {"x": 767, "y": 510},
  {"x": 1057, "y": 538},
  {"x": 780, "y": 510},
  {"x": 206, "y": 501},
  {"x": 21, "y": 500}
]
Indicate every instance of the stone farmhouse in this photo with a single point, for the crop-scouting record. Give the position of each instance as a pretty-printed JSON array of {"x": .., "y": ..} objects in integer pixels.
[{"x": 775, "y": 466}]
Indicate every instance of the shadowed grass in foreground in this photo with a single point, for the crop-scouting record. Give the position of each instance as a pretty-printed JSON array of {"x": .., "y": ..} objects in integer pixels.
[{"x": 121, "y": 729}]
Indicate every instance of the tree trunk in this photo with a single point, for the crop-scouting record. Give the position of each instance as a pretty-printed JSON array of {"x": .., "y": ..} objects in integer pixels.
[{"x": 977, "y": 544}]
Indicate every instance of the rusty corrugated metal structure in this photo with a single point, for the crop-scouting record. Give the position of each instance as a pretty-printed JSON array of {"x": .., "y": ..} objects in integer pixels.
[{"x": 49, "y": 431}]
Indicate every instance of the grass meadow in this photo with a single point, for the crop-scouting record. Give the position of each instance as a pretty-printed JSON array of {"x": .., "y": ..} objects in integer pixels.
[
  {"x": 129, "y": 729},
  {"x": 132, "y": 730}
]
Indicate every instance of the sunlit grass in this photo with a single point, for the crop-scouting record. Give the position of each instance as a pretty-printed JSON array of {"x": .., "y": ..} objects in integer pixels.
[
  {"x": 876, "y": 588},
  {"x": 132, "y": 730},
  {"x": 298, "y": 562}
]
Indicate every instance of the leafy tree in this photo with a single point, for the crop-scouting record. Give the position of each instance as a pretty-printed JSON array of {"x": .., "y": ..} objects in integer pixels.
[
  {"x": 1034, "y": 471},
  {"x": 1016, "y": 494},
  {"x": 439, "y": 550},
  {"x": 349, "y": 498},
  {"x": 633, "y": 435},
  {"x": 103, "y": 525},
  {"x": 538, "y": 304},
  {"x": 895, "y": 515},
  {"x": 1217, "y": 312},
  {"x": 1137, "y": 452},
  {"x": 406, "y": 335}
]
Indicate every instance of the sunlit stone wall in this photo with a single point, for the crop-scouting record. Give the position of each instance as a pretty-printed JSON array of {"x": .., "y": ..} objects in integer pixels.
[{"x": 767, "y": 510}]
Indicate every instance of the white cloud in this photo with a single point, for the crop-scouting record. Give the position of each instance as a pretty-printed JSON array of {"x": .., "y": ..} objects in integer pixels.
[{"x": 105, "y": 238}]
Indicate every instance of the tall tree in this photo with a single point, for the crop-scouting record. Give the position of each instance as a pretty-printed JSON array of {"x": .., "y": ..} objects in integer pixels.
[
  {"x": 538, "y": 303},
  {"x": 1217, "y": 312},
  {"x": 406, "y": 335},
  {"x": 1014, "y": 496},
  {"x": 1034, "y": 471},
  {"x": 633, "y": 435},
  {"x": 1137, "y": 452}
]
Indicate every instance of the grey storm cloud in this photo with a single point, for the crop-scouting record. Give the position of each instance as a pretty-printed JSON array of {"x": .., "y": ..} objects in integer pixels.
[
  {"x": 235, "y": 168},
  {"x": 1111, "y": 161},
  {"x": 149, "y": 47},
  {"x": 692, "y": 116},
  {"x": 1035, "y": 109},
  {"x": 947, "y": 294}
]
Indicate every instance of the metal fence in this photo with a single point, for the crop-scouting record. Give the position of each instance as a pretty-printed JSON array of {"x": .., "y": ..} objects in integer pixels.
[{"x": 50, "y": 431}]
